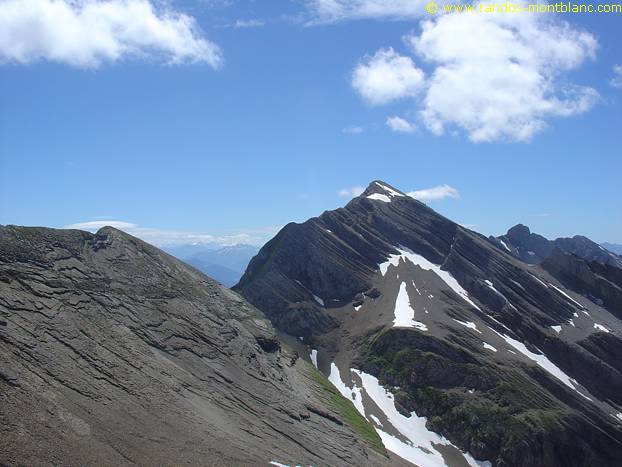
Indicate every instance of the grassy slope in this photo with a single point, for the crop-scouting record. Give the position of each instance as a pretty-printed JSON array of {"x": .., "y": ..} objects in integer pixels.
[{"x": 347, "y": 411}]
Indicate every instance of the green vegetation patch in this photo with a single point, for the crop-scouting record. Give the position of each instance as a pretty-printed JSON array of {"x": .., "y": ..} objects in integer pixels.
[{"x": 345, "y": 408}]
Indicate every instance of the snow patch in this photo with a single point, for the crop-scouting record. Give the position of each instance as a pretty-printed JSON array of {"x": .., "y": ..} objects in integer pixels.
[
  {"x": 600, "y": 327},
  {"x": 353, "y": 394},
  {"x": 543, "y": 361},
  {"x": 318, "y": 299},
  {"x": 418, "y": 260},
  {"x": 468, "y": 324},
  {"x": 420, "y": 445},
  {"x": 357, "y": 307},
  {"x": 314, "y": 357},
  {"x": 391, "y": 192},
  {"x": 490, "y": 285},
  {"x": 404, "y": 312},
  {"x": 568, "y": 297},
  {"x": 489, "y": 347},
  {"x": 416, "y": 443},
  {"x": 505, "y": 246},
  {"x": 380, "y": 197},
  {"x": 557, "y": 329},
  {"x": 540, "y": 281}
]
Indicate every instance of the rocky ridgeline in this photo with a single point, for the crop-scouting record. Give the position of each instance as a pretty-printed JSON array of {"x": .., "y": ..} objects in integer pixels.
[{"x": 114, "y": 353}]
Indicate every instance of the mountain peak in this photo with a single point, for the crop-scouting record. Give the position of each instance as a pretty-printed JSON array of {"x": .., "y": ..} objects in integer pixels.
[
  {"x": 519, "y": 231},
  {"x": 378, "y": 188}
]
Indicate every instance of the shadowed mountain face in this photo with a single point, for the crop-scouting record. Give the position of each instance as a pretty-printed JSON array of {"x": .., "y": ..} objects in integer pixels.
[
  {"x": 432, "y": 329},
  {"x": 114, "y": 353}
]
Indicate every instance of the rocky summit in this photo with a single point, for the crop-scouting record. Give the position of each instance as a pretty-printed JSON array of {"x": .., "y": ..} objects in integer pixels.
[
  {"x": 457, "y": 348},
  {"x": 115, "y": 353}
]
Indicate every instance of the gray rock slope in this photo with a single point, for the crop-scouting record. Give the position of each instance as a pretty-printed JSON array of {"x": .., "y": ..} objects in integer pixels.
[
  {"x": 114, "y": 353},
  {"x": 518, "y": 364}
]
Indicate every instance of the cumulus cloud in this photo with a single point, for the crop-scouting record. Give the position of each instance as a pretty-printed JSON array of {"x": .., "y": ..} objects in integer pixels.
[
  {"x": 497, "y": 77},
  {"x": 616, "y": 81},
  {"x": 435, "y": 193},
  {"x": 387, "y": 76},
  {"x": 351, "y": 192},
  {"x": 330, "y": 11},
  {"x": 87, "y": 33},
  {"x": 496, "y": 92},
  {"x": 400, "y": 125},
  {"x": 164, "y": 237}
]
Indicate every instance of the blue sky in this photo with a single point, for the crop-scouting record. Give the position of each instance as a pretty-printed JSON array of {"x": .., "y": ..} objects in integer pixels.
[{"x": 232, "y": 132}]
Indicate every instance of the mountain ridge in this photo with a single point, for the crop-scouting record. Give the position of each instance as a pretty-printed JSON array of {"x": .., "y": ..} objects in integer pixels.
[
  {"x": 114, "y": 352},
  {"x": 387, "y": 290}
]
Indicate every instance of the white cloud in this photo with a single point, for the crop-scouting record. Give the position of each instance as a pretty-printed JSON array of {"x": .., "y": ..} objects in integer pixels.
[
  {"x": 435, "y": 193},
  {"x": 401, "y": 125},
  {"x": 330, "y": 11},
  {"x": 351, "y": 192},
  {"x": 87, "y": 33},
  {"x": 96, "y": 225},
  {"x": 387, "y": 76},
  {"x": 501, "y": 93},
  {"x": 163, "y": 237},
  {"x": 616, "y": 81},
  {"x": 248, "y": 23},
  {"x": 352, "y": 130},
  {"x": 497, "y": 77}
]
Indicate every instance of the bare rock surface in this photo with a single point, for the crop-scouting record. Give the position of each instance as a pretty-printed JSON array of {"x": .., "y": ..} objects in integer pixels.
[{"x": 114, "y": 353}]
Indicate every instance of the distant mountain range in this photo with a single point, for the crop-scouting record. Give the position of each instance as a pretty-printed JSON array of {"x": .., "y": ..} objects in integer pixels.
[
  {"x": 533, "y": 248},
  {"x": 617, "y": 249},
  {"x": 224, "y": 264}
]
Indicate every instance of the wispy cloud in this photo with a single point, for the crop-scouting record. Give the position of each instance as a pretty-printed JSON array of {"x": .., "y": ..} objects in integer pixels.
[
  {"x": 165, "y": 237},
  {"x": 248, "y": 23},
  {"x": 96, "y": 225},
  {"x": 351, "y": 192},
  {"x": 435, "y": 193},
  {"x": 616, "y": 81},
  {"x": 401, "y": 125},
  {"x": 87, "y": 33},
  {"x": 330, "y": 11},
  {"x": 352, "y": 130}
]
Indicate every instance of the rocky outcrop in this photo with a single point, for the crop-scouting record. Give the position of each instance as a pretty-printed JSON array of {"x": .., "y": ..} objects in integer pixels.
[{"x": 114, "y": 353}]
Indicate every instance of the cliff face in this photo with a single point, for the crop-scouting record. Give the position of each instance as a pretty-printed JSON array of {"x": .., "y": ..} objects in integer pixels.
[
  {"x": 506, "y": 360},
  {"x": 114, "y": 353}
]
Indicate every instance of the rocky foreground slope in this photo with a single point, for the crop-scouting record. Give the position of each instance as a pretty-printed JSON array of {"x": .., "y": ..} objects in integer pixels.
[
  {"x": 114, "y": 353},
  {"x": 454, "y": 349}
]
